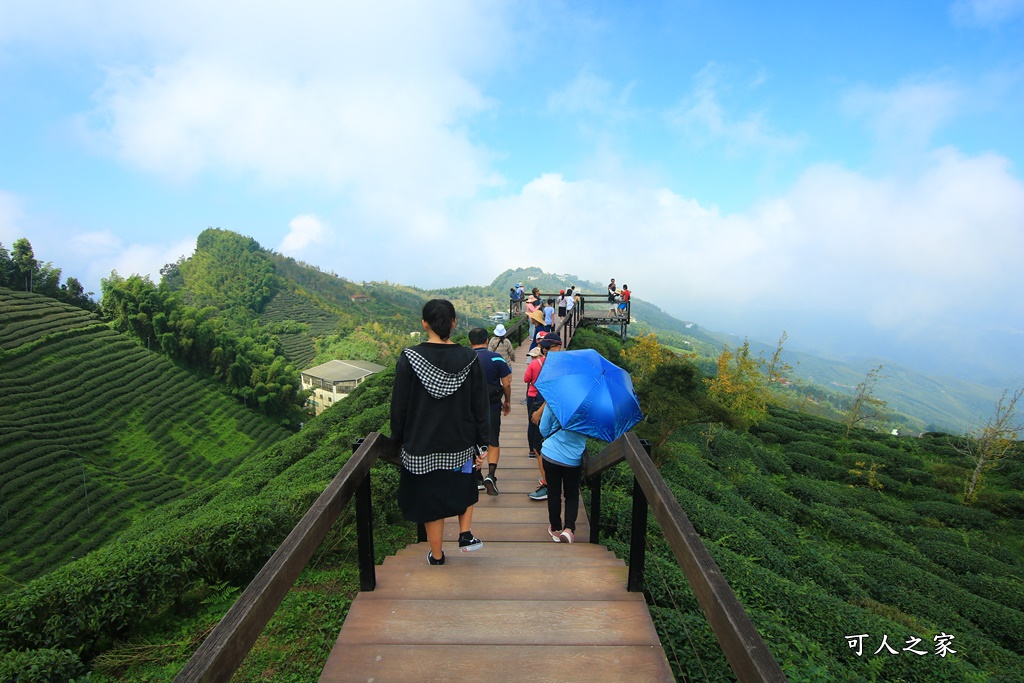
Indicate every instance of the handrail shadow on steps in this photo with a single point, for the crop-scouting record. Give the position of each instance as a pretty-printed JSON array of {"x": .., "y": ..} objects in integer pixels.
[{"x": 226, "y": 647}]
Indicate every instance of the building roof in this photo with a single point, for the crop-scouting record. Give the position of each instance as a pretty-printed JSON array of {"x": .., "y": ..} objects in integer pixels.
[{"x": 343, "y": 370}]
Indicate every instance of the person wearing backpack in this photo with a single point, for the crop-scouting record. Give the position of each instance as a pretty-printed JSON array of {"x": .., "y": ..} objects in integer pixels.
[
  {"x": 499, "y": 398},
  {"x": 501, "y": 345}
]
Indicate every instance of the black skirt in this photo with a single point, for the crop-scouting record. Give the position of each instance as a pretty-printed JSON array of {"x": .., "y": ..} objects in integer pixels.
[{"x": 435, "y": 495}]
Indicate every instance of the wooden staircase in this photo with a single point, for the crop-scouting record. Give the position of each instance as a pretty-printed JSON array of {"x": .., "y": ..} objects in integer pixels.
[{"x": 522, "y": 608}]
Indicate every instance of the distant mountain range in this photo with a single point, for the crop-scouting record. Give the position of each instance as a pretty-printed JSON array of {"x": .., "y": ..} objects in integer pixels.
[{"x": 316, "y": 314}]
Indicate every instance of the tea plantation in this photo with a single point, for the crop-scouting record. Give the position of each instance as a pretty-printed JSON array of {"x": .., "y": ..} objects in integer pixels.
[
  {"x": 94, "y": 430},
  {"x": 825, "y": 539}
]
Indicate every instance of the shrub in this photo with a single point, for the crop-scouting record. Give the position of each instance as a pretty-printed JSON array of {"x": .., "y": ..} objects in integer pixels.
[
  {"x": 956, "y": 515},
  {"x": 47, "y": 665}
]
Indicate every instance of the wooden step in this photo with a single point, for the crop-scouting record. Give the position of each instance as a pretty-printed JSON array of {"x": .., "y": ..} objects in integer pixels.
[
  {"x": 527, "y": 551},
  {"x": 497, "y": 532},
  {"x": 500, "y": 581},
  {"x": 499, "y": 662},
  {"x": 518, "y": 622}
]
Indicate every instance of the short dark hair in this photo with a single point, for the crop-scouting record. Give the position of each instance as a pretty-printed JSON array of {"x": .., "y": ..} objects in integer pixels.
[
  {"x": 478, "y": 335},
  {"x": 439, "y": 314}
]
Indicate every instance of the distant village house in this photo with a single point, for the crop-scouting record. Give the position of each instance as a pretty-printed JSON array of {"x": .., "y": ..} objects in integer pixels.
[{"x": 334, "y": 380}]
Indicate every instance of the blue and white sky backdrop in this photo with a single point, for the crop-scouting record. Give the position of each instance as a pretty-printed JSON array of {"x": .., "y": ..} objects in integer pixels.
[{"x": 848, "y": 172}]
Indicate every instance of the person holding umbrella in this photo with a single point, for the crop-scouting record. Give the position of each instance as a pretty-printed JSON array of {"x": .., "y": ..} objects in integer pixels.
[
  {"x": 584, "y": 395},
  {"x": 563, "y": 468}
]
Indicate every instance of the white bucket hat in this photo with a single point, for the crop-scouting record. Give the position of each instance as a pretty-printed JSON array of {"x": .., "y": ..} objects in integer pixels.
[{"x": 499, "y": 331}]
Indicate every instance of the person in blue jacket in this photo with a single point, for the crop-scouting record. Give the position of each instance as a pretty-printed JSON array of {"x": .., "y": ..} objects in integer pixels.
[{"x": 563, "y": 468}]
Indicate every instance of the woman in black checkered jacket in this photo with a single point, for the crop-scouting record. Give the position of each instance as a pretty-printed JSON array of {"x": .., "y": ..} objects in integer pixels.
[{"x": 439, "y": 418}]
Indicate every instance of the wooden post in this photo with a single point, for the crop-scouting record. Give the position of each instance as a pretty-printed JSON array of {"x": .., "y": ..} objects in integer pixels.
[
  {"x": 364, "y": 531},
  {"x": 637, "y": 540}
]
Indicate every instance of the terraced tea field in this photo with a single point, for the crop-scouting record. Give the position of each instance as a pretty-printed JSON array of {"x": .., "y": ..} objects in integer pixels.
[
  {"x": 95, "y": 429},
  {"x": 298, "y": 347}
]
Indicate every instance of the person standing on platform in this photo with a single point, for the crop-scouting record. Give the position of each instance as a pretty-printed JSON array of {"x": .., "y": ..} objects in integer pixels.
[
  {"x": 563, "y": 304},
  {"x": 612, "y": 294},
  {"x": 624, "y": 294},
  {"x": 549, "y": 315},
  {"x": 501, "y": 344},
  {"x": 439, "y": 419},
  {"x": 499, "y": 396},
  {"x": 533, "y": 303}
]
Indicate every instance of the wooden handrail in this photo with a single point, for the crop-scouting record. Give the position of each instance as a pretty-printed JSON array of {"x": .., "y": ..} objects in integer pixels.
[
  {"x": 745, "y": 650},
  {"x": 222, "y": 652},
  {"x": 226, "y": 647}
]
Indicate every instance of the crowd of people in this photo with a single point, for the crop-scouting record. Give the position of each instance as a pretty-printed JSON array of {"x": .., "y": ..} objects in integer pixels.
[{"x": 447, "y": 404}]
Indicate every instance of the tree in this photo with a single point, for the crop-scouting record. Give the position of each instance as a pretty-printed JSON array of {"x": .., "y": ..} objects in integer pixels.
[
  {"x": 994, "y": 441},
  {"x": 674, "y": 396},
  {"x": 866, "y": 407},
  {"x": 6, "y": 267},
  {"x": 777, "y": 370},
  {"x": 24, "y": 260},
  {"x": 643, "y": 357},
  {"x": 740, "y": 386}
]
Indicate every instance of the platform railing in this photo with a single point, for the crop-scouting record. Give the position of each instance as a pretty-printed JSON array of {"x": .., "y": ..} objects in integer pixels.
[
  {"x": 226, "y": 647},
  {"x": 744, "y": 649}
]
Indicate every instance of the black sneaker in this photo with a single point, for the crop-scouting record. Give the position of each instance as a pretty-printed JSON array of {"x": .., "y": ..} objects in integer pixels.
[
  {"x": 480, "y": 481},
  {"x": 431, "y": 560},
  {"x": 468, "y": 542},
  {"x": 491, "y": 485}
]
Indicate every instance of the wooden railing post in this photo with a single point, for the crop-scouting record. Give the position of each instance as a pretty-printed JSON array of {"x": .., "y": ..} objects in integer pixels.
[
  {"x": 637, "y": 540},
  {"x": 595, "y": 507},
  {"x": 364, "y": 530}
]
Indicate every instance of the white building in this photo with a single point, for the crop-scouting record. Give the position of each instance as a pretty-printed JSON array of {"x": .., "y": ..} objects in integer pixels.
[{"x": 334, "y": 380}]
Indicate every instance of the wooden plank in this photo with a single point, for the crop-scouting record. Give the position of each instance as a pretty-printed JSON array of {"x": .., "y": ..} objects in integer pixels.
[
  {"x": 481, "y": 560},
  {"x": 510, "y": 622},
  {"x": 536, "y": 514},
  {"x": 535, "y": 552},
  {"x": 495, "y": 533},
  {"x": 497, "y": 661},
  {"x": 500, "y": 582}
]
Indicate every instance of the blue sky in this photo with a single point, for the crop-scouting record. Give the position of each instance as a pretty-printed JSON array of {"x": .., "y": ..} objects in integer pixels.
[{"x": 851, "y": 174}]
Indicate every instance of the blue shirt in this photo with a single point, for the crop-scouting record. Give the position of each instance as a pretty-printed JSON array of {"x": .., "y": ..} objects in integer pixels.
[
  {"x": 561, "y": 445},
  {"x": 549, "y": 313},
  {"x": 495, "y": 369}
]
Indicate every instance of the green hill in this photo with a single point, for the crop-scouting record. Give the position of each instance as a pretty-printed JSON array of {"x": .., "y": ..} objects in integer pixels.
[{"x": 95, "y": 431}]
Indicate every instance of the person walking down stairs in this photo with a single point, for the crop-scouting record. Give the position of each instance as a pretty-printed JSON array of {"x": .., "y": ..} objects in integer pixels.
[{"x": 439, "y": 418}]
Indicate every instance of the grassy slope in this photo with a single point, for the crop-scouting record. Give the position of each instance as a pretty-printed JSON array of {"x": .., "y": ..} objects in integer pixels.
[{"x": 96, "y": 430}]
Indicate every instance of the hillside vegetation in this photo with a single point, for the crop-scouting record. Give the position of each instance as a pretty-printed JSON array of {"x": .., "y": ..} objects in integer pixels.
[
  {"x": 824, "y": 537},
  {"x": 95, "y": 431},
  {"x": 166, "y": 580}
]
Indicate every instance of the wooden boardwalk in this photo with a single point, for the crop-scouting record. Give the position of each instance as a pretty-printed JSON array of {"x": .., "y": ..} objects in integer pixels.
[{"x": 522, "y": 608}]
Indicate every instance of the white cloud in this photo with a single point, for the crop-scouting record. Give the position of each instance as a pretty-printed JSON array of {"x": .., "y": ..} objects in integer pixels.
[
  {"x": 908, "y": 115},
  {"x": 586, "y": 92},
  {"x": 101, "y": 252},
  {"x": 703, "y": 116},
  {"x": 986, "y": 12},
  {"x": 904, "y": 255},
  {"x": 303, "y": 230},
  {"x": 368, "y": 97}
]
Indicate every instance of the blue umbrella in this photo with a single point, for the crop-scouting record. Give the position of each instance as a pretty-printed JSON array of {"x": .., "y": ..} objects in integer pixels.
[{"x": 589, "y": 394}]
